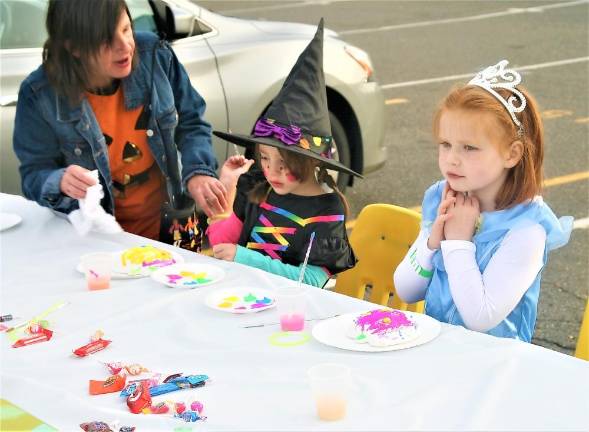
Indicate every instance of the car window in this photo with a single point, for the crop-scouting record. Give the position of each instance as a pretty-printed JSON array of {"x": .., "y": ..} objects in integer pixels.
[
  {"x": 22, "y": 23},
  {"x": 142, "y": 15}
]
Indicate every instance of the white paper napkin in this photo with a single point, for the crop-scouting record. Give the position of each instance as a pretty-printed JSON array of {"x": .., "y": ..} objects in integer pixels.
[{"x": 91, "y": 216}]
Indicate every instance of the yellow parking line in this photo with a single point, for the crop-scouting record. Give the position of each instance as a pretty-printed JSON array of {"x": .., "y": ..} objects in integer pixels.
[
  {"x": 569, "y": 178},
  {"x": 396, "y": 101},
  {"x": 582, "y": 120},
  {"x": 554, "y": 181}
]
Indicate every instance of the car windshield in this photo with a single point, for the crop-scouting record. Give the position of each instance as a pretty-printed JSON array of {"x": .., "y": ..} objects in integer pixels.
[{"x": 22, "y": 22}]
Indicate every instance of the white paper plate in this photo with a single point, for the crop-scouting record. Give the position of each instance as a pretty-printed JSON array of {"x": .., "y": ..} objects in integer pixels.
[
  {"x": 114, "y": 275},
  {"x": 128, "y": 272},
  {"x": 188, "y": 275},
  {"x": 333, "y": 332},
  {"x": 241, "y": 300},
  {"x": 8, "y": 220}
]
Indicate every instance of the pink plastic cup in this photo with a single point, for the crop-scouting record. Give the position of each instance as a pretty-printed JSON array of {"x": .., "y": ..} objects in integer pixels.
[
  {"x": 98, "y": 270},
  {"x": 291, "y": 304}
]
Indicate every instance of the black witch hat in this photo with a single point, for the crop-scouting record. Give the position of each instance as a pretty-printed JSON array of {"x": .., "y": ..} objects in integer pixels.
[{"x": 298, "y": 118}]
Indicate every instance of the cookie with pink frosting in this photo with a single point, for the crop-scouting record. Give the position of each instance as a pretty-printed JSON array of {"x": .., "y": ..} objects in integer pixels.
[{"x": 383, "y": 327}]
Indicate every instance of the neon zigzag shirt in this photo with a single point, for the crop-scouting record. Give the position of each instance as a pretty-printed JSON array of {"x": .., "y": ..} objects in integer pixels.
[{"x": 278, "y": 233}]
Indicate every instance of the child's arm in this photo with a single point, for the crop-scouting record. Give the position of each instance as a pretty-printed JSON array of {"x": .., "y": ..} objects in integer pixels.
[
  {"x": 484, "y": 300},
  {"x": 414, "y": 273},
  {"x": 234, "y": 167},
  {"x": 225, "y": 230},
  {"x": 226, "y": 227},
  {"x": 314, "y": 275}
]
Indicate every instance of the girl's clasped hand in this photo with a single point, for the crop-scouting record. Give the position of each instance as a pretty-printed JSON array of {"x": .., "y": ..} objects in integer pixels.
[{"x": 457, "y": 218}]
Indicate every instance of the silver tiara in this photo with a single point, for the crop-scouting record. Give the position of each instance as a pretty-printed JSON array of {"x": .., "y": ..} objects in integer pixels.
[{"x": 498, "y": 76}]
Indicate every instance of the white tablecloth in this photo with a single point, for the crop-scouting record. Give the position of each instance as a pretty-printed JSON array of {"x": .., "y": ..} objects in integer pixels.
[{"x": 461, "y": 380}]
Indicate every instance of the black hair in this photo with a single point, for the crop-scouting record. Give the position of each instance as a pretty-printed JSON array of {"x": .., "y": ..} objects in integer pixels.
[{"x": 77, "y": 29}]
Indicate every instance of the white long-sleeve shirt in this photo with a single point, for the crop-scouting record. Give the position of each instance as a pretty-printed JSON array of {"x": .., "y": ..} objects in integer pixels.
[{"x": 483, "y": 300}]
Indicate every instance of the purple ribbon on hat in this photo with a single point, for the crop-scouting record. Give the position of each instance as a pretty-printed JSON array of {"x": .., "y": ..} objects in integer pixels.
[{"x": 289, "y": 135}]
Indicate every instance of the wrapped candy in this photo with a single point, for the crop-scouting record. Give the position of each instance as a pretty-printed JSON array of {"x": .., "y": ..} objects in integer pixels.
[
  {"x": 189, "y": 416},
  {"x": 96, "y": 426},
  {"x": 92, "y": 347},
  {"x": 139, "y": 399},
  {"x": 96, "y": 344},
  {"x": 99, "y": 426},
  {"x": 42, "y": 335},
  {"x": 160, "y": 408},
  {"x": 178, "y": 383},
  {"x": 112, "y": 384},
  {"x": 196, "y": 406},
  {"x": 127, "y": 369}
]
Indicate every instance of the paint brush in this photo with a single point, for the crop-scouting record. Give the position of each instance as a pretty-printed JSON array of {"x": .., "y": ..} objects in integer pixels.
[{"x": 304, "y": 266}]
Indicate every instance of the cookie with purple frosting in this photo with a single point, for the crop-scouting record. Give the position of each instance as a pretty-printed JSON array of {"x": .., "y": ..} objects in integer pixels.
[{"x": 383, "y": 327}]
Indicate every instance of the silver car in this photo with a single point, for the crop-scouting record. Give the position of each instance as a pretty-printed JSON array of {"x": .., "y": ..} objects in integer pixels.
[{"x": 237, "y": 65}]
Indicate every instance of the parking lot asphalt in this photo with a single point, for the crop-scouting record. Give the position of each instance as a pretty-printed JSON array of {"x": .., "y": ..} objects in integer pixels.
[{"x": 420, "y": 50}]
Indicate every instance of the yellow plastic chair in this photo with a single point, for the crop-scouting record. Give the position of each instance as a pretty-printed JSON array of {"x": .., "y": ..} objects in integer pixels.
[
  {"x": 381, "y": 238},
  {"x": 582, "y": 350}
]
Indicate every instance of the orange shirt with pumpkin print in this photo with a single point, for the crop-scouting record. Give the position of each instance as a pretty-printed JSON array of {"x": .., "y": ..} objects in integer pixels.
[{"x": 137, "y": 208}]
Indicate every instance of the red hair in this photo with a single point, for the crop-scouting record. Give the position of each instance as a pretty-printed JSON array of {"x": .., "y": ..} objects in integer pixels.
[{"x": 524, "y": 180}]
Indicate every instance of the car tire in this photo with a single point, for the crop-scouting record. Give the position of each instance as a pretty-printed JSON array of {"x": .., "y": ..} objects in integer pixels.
[{"x": 342, "y": 153}]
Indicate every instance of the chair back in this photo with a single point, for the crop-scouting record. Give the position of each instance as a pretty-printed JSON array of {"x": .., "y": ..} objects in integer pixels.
[
  {"x": 381, "y": 237},
  {"x": 582, "y": 350}
]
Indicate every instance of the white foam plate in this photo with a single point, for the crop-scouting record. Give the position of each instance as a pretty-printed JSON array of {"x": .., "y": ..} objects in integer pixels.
[
  {"x": 334, "y": 332},
  {"x": 241, "y": 300},
  {"x": 188, "y": 275},
  {"x": 8, "y": 220}
]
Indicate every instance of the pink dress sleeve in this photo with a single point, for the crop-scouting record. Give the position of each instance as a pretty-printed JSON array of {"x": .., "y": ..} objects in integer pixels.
[{"x": 225, "y": 231}]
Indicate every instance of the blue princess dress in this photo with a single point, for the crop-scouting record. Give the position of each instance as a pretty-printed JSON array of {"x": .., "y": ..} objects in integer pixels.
[{"x": 520, "y": 323}]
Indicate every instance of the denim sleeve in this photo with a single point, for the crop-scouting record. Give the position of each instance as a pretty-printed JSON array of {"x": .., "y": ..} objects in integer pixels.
[
  {"x": 193, "y": 133},
  {"x": 41, "y": 161},
  {"x": 314, "y": 275}
]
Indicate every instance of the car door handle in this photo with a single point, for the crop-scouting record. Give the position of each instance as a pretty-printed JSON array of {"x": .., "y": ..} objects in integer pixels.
[{"x": 9, "y": 100}]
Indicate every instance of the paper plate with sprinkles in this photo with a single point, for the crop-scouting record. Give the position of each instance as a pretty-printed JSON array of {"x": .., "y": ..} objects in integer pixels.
[
  {"x": 189, "y": 275},
  {"x": 241, "y": 300}
]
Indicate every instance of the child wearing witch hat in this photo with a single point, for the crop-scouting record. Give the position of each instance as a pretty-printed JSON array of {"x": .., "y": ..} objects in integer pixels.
[{"x": 271, "y": 223}]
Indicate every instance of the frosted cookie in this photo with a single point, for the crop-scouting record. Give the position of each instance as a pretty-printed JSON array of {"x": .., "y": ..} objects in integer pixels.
[
  {"x": 137, "y": 259},
  {"x": 383, "y": 327}
]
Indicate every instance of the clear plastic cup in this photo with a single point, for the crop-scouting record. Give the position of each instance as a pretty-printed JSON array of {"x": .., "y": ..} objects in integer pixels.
[
  {"x": 98, "y": 270},
  {"x": 330, "y": 385},
  {"x": 291, "y": 305}
]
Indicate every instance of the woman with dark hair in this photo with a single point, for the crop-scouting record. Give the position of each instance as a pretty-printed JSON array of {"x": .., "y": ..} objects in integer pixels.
[{"x": 110, "y": 100}]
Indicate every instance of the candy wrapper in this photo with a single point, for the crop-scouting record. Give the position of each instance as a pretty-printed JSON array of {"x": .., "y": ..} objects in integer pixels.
[
  {"x": 92, "y": 347},
  {"x": 99, "y": 426},
  {"x": 37, "y": 334},
  {"x": 139, "y": 399},
  {"x": 130, "y": 369},
  {"x": 179, "y": 383},
  {"x": 112, "y": 384}
]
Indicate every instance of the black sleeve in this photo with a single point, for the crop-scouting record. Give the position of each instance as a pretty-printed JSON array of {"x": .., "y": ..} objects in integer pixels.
[{"x": 331, "y": 248}]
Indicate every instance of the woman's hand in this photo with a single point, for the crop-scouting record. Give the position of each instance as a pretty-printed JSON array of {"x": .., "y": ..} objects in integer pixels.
[
  {"x": 233, "y": 168},
  {"x": 75, "y": 181},
  {"x": 225, "y": 251},
  {"x": 437, "y": 234},
  {"x": 209, "y": 193},
  {"x": 464, "y": 216}
]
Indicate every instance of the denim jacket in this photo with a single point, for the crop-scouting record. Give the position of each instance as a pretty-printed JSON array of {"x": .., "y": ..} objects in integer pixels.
[{"x": 50, "y": 133}]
